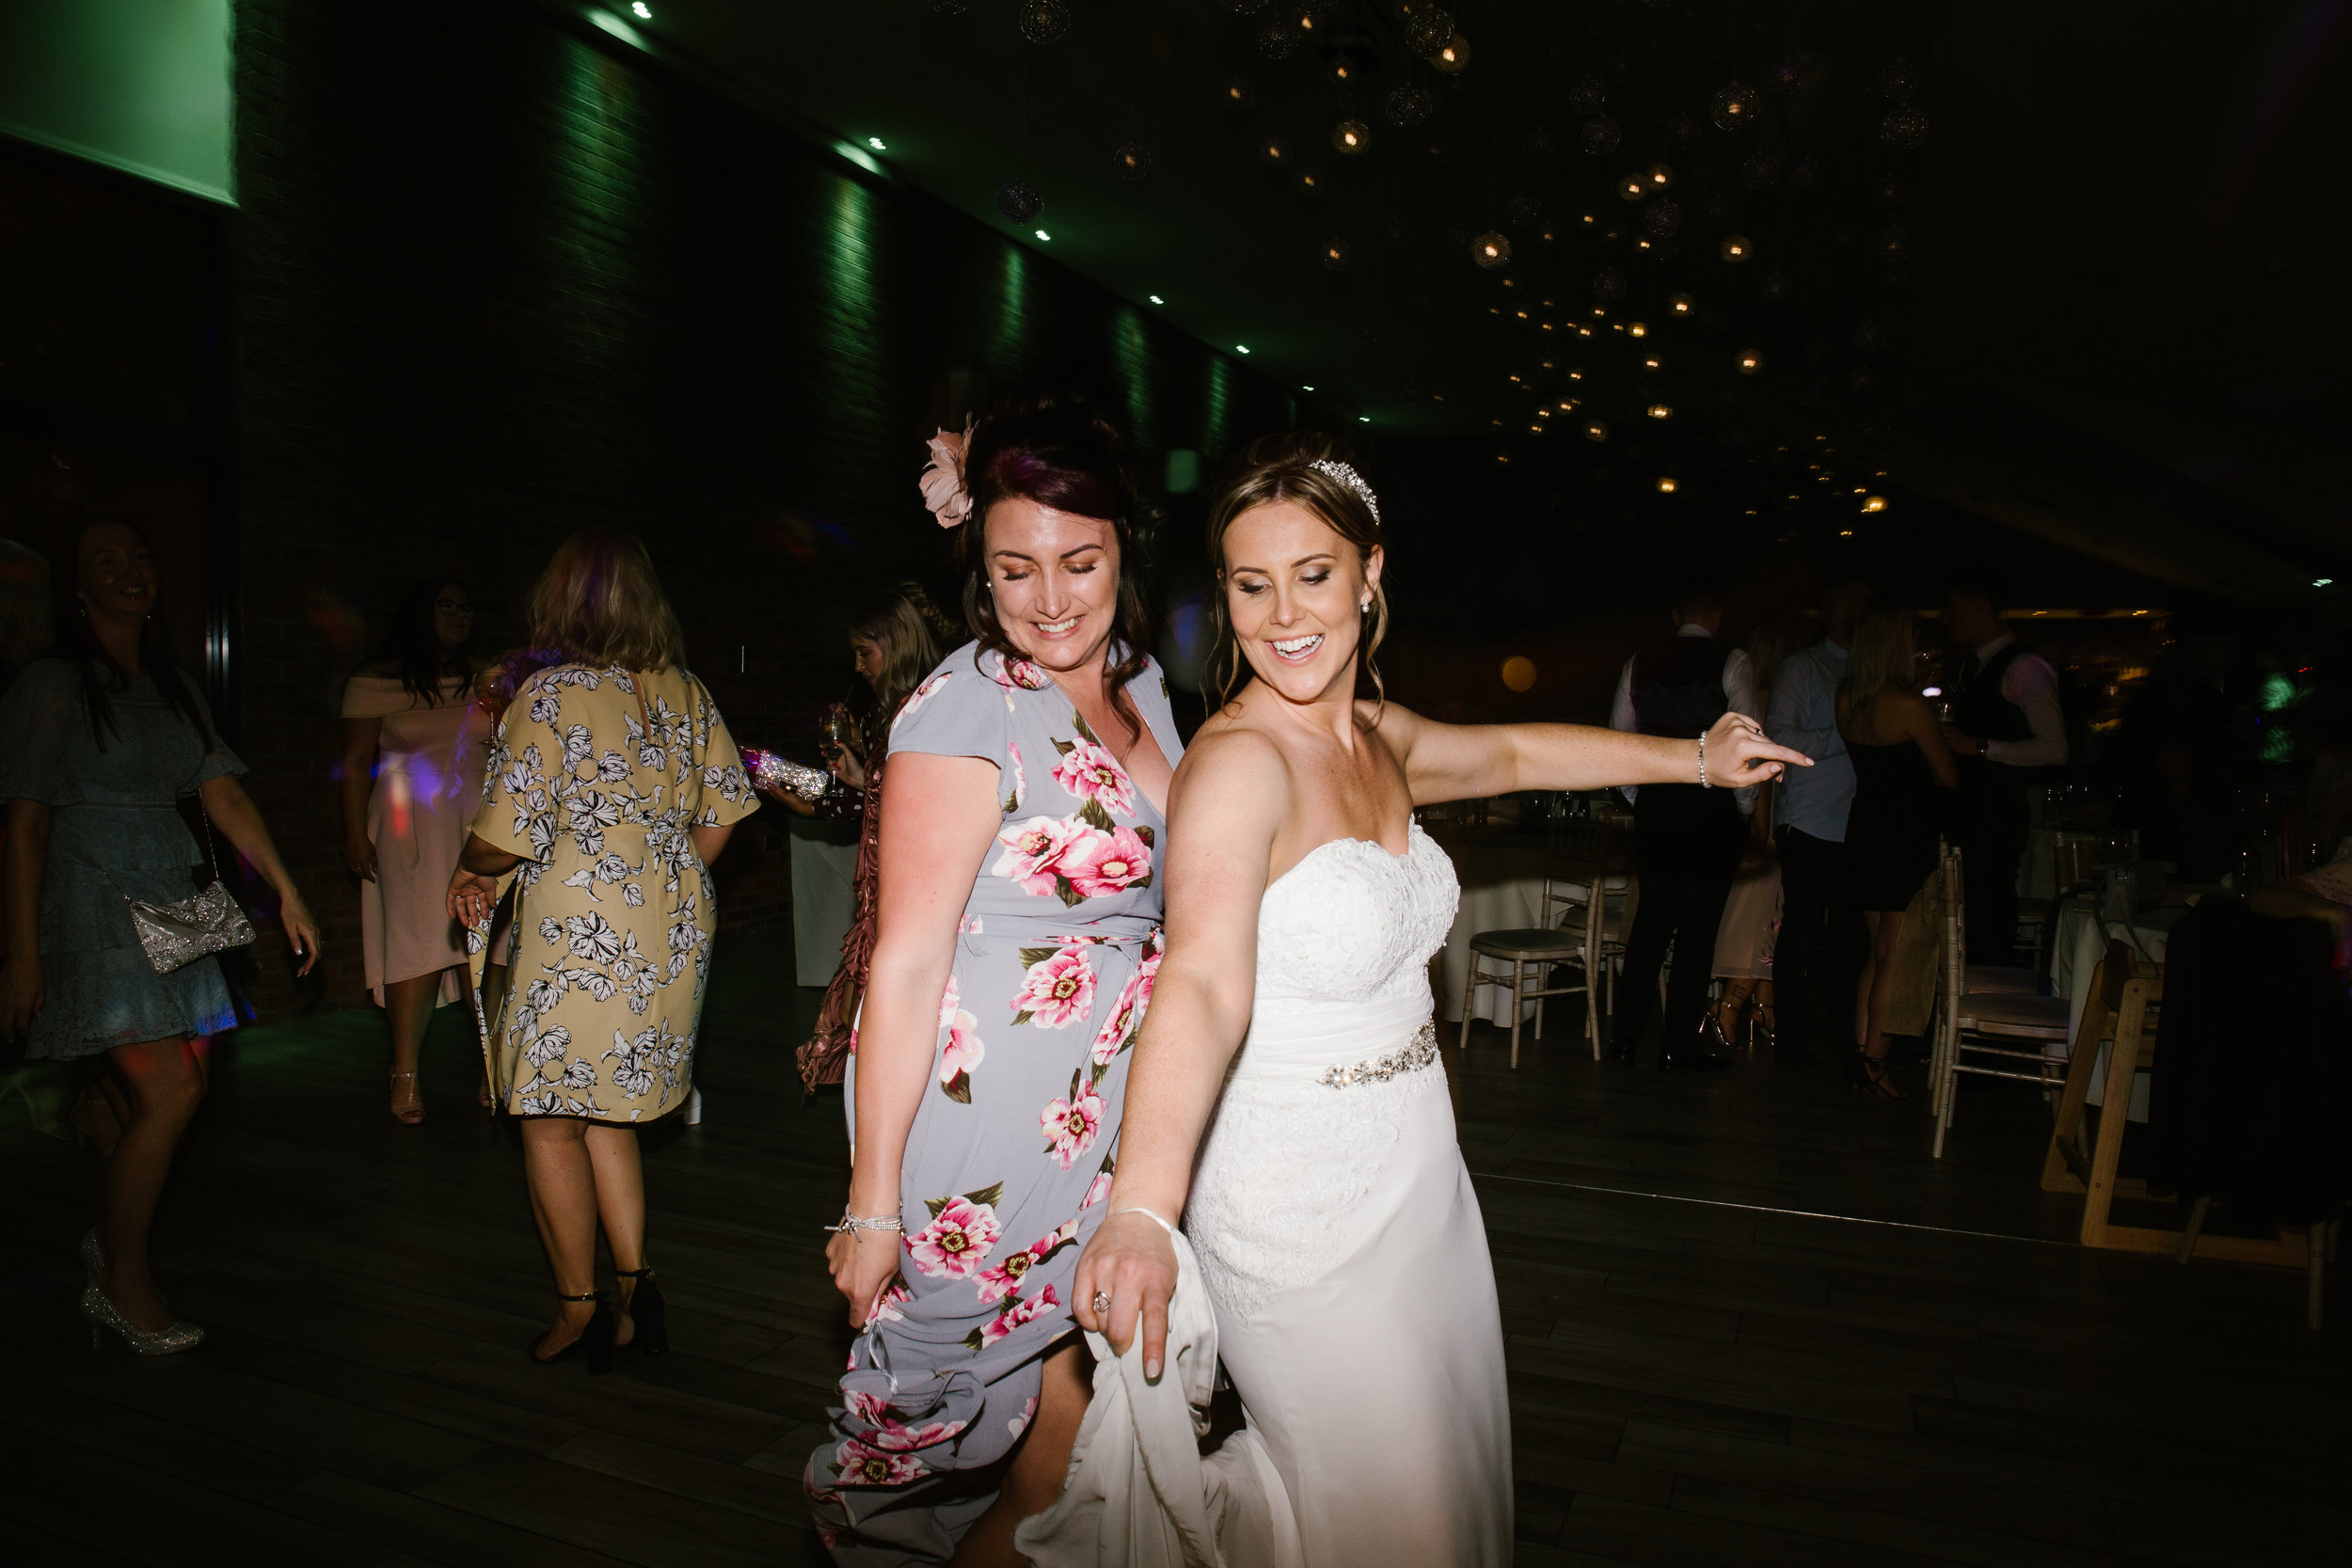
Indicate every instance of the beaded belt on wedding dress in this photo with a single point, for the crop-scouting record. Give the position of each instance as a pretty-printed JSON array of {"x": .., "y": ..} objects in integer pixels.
[{"x": 1411, "y": 1056}]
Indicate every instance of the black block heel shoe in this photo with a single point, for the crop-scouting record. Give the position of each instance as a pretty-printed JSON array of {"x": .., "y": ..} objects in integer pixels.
[
  {"x": 648, "y": 1311},
  {"x": 593, "y": 1348}
]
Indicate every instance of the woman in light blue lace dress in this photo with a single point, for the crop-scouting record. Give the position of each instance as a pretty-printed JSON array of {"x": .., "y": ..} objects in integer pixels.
[{"x": 97, "y": 748}]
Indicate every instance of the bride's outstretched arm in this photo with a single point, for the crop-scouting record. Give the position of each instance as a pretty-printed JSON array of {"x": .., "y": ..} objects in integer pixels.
[
  {"x": 1463, "y": 761},
  {"x": 1228, "y": 799}
]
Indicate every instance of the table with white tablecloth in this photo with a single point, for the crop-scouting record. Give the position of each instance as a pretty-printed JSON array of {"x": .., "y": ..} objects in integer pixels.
[
  {"x": 2083, "y": 934},
  {"x": 824, "y": 878},
  {"x": 1503, "y": 889}
]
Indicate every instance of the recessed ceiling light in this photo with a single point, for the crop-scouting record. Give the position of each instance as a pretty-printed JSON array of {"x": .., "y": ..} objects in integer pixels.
[
  {"x": 644, "y": 12},
  {"x": 1363, "y": 419},
  {"x": 1241, "y": 348},
  {"x": 2323, "y": 582},
  {"x": 876, "y": 142},
  {"x": 1155, "y": 299},
  {"x": 1311, "y": 388},
  {"x": 1044, "y": 235}
]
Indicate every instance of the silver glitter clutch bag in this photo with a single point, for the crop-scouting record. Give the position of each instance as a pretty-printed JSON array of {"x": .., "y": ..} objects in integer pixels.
[
  {"x": 177, "y": 934},
  {"x": 209, "y": 922},
  {"x": 777, "y": 772}
]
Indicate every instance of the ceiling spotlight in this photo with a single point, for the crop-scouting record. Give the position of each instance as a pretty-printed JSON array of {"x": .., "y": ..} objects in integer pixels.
[
  {"x": 1155, "y": 299},
  {"x": 1453, "y": 56},
  {"x": 2322, "y": 582},
  {"x": 1660, "y": 411},
  {"x": 1363, "y": 419},
  {"x": 1638, "y": 329},
  {"x": 1659, "y": 177},
  {"x": 1490, "y": 249},
  {"x": 874, "y": 142},
  {"x": 1681, "y": 304},
  {"x": 1874, "y": 503},
  {"x": 1751, "y": 362},
  {"x": 1044, "y": 235},
  {"x": 1652, "y": 363},
  {"x": 1306, "y": 388},
  {"x": 644, "y": 13},
  {"x": 1596, "y": 431},
  {"x": 1735, "y": 248},
  {"x": 1845, "y": 533},
  {"x": 1632, "y": 187},
  {"x": 1241, "y": 348},
  {"x": 1666, "y": 486},
  {"x": 1350, "y": 136}
]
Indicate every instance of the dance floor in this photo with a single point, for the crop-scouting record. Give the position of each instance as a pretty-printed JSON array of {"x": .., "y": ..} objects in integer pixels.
[{"x": 1751, "y": 1323}]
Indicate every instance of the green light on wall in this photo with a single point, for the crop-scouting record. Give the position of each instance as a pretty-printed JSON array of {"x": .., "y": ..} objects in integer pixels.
[
  {"x": 853, "y": 153},
  {"x": 1012, "y": 312},
  {"x": 1212, "y": 425}
]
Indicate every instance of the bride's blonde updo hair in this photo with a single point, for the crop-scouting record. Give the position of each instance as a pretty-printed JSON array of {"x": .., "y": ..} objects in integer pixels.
[{"x": 1277, "y": 468}]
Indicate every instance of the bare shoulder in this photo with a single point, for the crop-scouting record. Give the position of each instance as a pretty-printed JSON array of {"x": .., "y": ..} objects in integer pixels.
[
  {"x": 1393, "y": 721},
  {"x": 1231, "y": 769}
]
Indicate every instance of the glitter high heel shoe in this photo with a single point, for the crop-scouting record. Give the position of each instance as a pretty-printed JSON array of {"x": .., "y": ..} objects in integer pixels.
[{"x": 103, "y": 1314}]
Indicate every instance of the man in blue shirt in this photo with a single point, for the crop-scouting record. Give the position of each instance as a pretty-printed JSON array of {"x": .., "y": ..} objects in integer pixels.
[{"x": 1811, "y": 805}]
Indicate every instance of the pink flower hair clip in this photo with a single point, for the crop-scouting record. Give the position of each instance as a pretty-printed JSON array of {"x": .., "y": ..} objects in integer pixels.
[{"x": 944, "y": 490}]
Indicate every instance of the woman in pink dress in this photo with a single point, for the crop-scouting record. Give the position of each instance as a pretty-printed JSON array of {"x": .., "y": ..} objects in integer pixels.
[{"x": 408, "y": 794}]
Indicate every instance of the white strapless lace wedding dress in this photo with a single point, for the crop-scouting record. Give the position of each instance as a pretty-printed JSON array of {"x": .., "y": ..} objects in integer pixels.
[{"x": 1345, "y": 1260}]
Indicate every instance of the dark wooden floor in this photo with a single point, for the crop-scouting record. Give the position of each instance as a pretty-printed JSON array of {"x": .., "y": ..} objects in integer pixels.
[{"x": 1707, "y": 1366}]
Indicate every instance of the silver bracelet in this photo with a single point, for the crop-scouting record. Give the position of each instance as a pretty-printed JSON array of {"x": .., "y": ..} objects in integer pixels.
[
  {"x": 1703, "y": 784},
  {"x": 851, "y": 1225}
]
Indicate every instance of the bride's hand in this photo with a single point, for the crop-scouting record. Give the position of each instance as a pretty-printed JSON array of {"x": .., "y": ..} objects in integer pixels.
[
  {"x": 1132, "y": 1262},
  {"x": 1738, "y": 753}
]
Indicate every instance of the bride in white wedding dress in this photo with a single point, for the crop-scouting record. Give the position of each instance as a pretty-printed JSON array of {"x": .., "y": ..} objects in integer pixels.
[{"x": 1333, "y": 1220}]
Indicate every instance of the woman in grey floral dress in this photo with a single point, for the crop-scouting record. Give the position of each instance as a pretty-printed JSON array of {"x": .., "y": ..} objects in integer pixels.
[
  {"x": 1018, "y": 940},
  {"x": 611, "y": 786}
]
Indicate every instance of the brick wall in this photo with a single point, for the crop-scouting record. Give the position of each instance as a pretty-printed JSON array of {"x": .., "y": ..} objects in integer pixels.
[{"x": 497, "y": 281}]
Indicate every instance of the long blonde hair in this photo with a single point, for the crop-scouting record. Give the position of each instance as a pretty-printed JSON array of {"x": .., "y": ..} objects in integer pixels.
[
  {"x": 1883, "y": 658},
  {"x": 1281, "y": 469},
  {"x": 599, "y": 602},
  {"x": 911, "y": 635}
]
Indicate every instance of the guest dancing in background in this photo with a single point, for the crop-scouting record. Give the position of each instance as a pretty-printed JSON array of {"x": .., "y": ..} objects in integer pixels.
[
  {"x": 1686, "y": 839},
  {"x": 403, "y": 711},
  {"x": 1903, "y": 780},
  {"x": 611, "y": 786},
  {"x": 1287, "y": 1100},
  {"x": 896, "y": 641},
  {"x": 97, "y": 745},
  {"x": 1744, "y": 1013},
  {"x": 1014, "y": 950}
]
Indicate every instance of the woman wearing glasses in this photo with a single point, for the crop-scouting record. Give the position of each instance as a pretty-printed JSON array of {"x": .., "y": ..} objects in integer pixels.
[{"x": 408, "y": 796}]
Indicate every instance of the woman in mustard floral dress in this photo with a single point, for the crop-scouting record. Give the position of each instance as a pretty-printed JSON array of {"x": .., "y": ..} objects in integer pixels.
[{"x": 612, "y": 784}]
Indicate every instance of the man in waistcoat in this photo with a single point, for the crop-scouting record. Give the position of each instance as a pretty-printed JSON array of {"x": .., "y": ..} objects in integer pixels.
[
  {"x": 2007, "y": 732},
  {"x": 1686, "y": 838}
]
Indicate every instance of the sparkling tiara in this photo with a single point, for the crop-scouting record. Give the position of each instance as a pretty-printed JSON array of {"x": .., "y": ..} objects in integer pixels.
[{"x": 1347, "y": 475}]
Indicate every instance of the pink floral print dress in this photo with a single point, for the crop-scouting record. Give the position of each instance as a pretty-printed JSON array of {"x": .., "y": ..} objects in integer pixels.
[{"x": 1012, "y": 1149}]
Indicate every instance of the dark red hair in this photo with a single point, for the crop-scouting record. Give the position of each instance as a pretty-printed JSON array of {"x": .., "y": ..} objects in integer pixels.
[{"x": 1062, "y": 452}]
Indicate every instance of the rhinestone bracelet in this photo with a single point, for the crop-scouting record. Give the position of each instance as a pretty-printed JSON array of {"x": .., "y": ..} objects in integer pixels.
[
  {"x": 851, "y": 1225},
  {"x": 1703, "y": 784}
]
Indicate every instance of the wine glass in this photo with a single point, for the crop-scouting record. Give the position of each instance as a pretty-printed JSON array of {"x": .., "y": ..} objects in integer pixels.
[{"x": 832, "y": 731}]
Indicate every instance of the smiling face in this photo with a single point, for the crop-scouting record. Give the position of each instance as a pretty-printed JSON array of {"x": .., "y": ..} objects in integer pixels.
[
  {"x": 452, "y": 616},
  {"x": 1053, "y": 577},
  {"x": 1293, "y": 596},
  {"x": 115, "y": 573}
]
